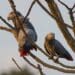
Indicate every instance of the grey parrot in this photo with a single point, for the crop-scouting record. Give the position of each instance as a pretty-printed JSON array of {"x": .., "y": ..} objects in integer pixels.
[
  {"x": 24, "y": 44},
  {"x": 54, "y": 48}
]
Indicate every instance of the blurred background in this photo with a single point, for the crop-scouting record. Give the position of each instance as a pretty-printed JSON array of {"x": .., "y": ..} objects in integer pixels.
[{"x": 43, "y": 24}]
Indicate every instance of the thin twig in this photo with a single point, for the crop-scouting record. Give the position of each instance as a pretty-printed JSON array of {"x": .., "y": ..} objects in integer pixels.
[
  {"x": 40, "y": 70},
  {"x": 64, "y": 4},
  {"x": 68, "y": 26},
  {"x": 51, "y": 66},
  {"x": 70, "y": 11},
  {"x": 45, "y": 9},
  {"x": 70, "y": 14},
  {"x": 9, "y": 25},
  {"x": 17, "y": 64},
  {"x": 36, "y": 67},
  {"x": 29, "y": 9},
  {"x": 29, "y": 62},
  {"x": 5, "y": 28},
  {"x": 73, "y": 12},
  {"x": 66, "y": 66},
  {"x": 73, "y": 7}
]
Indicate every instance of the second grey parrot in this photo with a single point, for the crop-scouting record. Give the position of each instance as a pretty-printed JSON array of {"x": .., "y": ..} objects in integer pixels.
[
  {"x": 24, "y": 44},
  {"x": 54, "y": 47}
]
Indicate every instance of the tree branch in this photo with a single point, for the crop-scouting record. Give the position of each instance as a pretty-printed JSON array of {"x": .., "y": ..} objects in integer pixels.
[
  {"x": 68, "y": 26},
  {"x": 40, "y": 70},
  {"x": 51, "y": 66},
  {"x": 64, "y": 4},
  {"x": 50, "y": 13},
  {"x": 65, "y": 66},
  {"x": 70, "y": 14},
  {"x": 29, "y": 62},
  {"x": 45, "y": 9},
  {"x": 73, "y": 6},
  {"x": 17, "y": 64},
  {"x": 30, "y": 9},
  {"x": 5, "y": 28},
  {"x": 9, "y": 25},
  {"x": 36, "y": 67},
  {"x": 73, "y": 12}
]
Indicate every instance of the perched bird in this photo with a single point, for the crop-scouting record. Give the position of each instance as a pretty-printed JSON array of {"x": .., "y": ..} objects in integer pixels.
[
  {"x": 55, "y": 48},
  {"x": 24, "y": 44}
]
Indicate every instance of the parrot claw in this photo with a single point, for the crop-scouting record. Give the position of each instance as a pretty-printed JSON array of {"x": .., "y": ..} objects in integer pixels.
[
  {"x": 51, "y": 57},
  {"x": 56, "y": 59},
  {"x": 35, "y": 48}
]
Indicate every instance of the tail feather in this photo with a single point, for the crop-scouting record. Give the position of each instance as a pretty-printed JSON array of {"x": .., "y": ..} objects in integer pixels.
[
  {"x": 26, "y": 49},
  {"x": 69, "y": 57},
  {"x": 23, "y": 53}
]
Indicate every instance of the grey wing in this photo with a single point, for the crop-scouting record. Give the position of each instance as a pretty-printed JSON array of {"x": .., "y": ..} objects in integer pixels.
[
  {"x": 29, "y": 25},
  {"x": 22, "y": 39},
  {"x": 60, "y": 50},
  {"x": 31, "y": 34},
  {"x": 30, "y": 30}
]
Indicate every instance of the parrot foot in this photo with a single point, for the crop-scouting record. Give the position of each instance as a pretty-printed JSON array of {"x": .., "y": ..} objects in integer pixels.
[
  {"x": 51, "y": 57},
  {"x": 55, "y": 59},
  {"x": 35, "y": 48}
]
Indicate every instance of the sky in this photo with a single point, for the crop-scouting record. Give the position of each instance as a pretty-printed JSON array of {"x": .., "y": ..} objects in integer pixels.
[{"x": 43, "y": 24}]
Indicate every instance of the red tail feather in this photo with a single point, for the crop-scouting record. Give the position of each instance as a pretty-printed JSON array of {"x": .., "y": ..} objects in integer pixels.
[{"x": 23, "y": 53}]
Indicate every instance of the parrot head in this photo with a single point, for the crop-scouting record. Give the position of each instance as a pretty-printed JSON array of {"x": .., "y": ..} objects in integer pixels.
[
  {"x": 50, "y": 36},
  {"x": 13, "y": 18},
  {"x": 12, "y": 15}
]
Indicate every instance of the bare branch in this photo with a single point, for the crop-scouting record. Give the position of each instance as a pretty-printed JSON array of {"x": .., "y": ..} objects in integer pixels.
[
  {"x": 36, "y": 67},
  {"x": 71, "y": 14},
  {"x": 45, "y": 9},
  {"x": 73, "y": 7},
  {"x": 66, "y": 66},
  {"x": 6, "y": 29},
  {"x": 51, "y": 66},
  {"x": 64, "y": 4},
  {"x": 9, "y": 25},
  {"x": 16, "y": 64},
  {"x": 30, "y": 9},
  {"x": 29, "y": 62},
  {"x": 68, "y": 26},
  {"x": 40, "y": 70}
]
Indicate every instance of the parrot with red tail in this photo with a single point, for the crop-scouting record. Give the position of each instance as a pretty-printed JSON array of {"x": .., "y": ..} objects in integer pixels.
[{"x": 24, "y": 44}]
